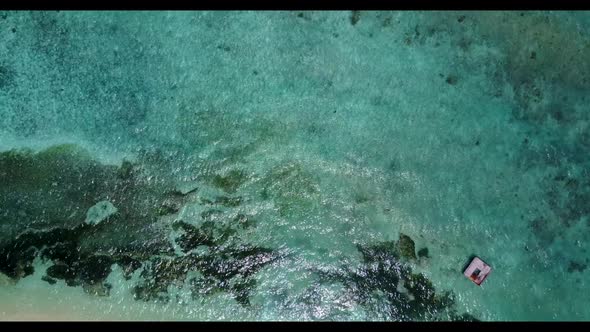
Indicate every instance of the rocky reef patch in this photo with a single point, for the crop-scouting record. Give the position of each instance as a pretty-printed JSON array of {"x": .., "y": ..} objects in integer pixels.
[
  {"x": 385, "y": 284},
  {"x": 83, "y": 216}
]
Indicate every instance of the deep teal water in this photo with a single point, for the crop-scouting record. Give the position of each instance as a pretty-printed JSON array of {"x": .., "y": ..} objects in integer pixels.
[{"x": 306, "y": 140}]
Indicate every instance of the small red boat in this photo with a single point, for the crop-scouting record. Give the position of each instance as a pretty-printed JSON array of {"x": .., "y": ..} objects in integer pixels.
[{"x": 477, "y": 271}]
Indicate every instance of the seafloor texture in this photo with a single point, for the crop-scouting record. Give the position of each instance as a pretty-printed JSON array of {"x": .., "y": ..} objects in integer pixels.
[{"x": 294, "y": 165}]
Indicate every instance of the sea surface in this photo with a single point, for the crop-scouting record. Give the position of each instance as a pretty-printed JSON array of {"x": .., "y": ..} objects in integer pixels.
[{"x": 291, "y": 165}]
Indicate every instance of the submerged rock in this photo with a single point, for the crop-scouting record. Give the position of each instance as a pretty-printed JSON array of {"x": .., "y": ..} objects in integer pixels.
[
  {"x": 227, "y": 269},
  {"x": 51, "y": 188},
  {"x": 231, "y": 269},
  {"x": 215, "y": 229},
  {"x": 243, "y": 260},
  {"x": 244, "y": 221},
  {"x": 423, "y": 253},
  {"x": 97, "y": 289},
  {"x": 186, "y": 188},
  {"x": 49, "y": 280},
  {"x": 425, "y": 297},
  {"x": 158, "y": 275},
  {"x": 100, "y": 212},
  {"x": 576, "y": 266},
  {"x": 381, "y": 252},
  {"x": 62, "y": 272},
  {"x": 95, "y": 269},
  {"x": 465, "y": 317},
  {"x": 65, "y": 251},
  {"x": 168, "y": 206},
  {"x": 61, "y": 183},
  {"x": 193, "y": 236},
  {"x": 228, "y": 201},
  {"x": 128, "y": 264},
  {"x": 385, "y": 284},
  {"x": 16, "y": 257},
  {"x": 230, "y": 182},
  {"x": 45, "y": 196},
  {"x": 241, "y": 289},
  {"x": 126, "y": 171},
  {"x": 406, "y": 247}
]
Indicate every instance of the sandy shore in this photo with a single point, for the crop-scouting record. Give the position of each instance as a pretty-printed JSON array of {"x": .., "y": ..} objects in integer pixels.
[{"x": 38, "y": 316}]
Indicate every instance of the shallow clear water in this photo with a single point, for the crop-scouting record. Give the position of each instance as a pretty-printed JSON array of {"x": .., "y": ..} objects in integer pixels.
[{"x": 306, "y": 136}]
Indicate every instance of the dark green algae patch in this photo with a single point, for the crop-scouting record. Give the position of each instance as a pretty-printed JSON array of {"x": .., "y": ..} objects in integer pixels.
[
  {"x": 54, "y": 188},
  {"x": 44, "y": 197}
]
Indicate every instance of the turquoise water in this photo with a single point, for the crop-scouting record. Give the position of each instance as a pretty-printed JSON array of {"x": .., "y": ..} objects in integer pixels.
[{"x": 265, "y": 165}]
